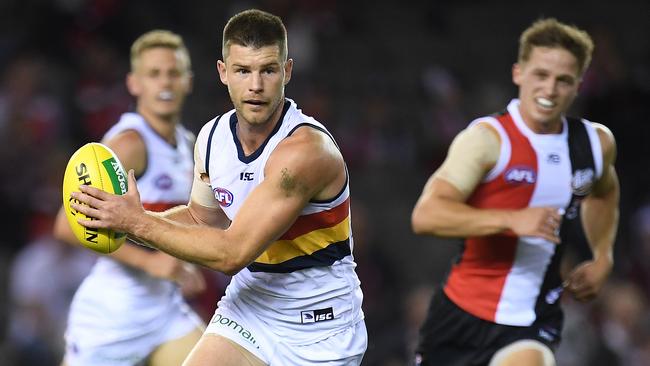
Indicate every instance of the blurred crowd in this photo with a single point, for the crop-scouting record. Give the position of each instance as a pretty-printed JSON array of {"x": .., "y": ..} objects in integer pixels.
[{"x": 394, "y": 84}]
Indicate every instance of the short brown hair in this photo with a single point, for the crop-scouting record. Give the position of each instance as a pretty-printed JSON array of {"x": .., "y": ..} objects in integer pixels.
[
  {"x": 254, "y": 28},
  {"x": 159, "y": 38},
  {"x": 551, "y": 33}
]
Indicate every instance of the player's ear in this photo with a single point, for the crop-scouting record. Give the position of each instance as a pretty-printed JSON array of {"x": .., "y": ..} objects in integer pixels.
[
  {"x": 133, "y": 85},
  {"x": 288, "y": 68},
  {"x": 223, "y": 73},
  {"x": 516, "y": 73},
  {"x": 190, "y": 82}
]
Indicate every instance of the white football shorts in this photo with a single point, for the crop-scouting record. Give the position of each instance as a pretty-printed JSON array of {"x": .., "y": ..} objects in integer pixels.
[
  {"x": 128, "y": 351},
  {"x": 244, "y": 327}
]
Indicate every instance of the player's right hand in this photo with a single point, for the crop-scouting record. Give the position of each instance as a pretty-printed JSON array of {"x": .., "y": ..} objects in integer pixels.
[{"x": 543, "y": 222}]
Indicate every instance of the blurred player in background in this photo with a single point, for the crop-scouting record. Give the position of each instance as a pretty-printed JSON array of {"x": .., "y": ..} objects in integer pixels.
[
  {"x": 277, "y": 181},
  {"x": 130, "y": 309},
  {"x": 512, "y": 185}
]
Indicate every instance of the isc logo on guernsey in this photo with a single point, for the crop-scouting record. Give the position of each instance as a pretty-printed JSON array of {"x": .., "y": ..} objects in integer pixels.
[
  {"x": 314, "y": 316},
  {"x": 223, "y": 196}
]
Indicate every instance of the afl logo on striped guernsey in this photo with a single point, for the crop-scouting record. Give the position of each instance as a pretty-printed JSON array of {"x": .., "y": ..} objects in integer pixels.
[
  {"x": 223, "y": 196},
  {"x": 520, "y": 174}
]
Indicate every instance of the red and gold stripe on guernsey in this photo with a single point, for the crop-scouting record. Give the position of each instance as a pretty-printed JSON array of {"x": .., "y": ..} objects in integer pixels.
[{"x": 314, "y": 240}]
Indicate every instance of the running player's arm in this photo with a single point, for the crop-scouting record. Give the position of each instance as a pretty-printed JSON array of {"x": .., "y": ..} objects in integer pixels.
[
  {"x": 304, "y": 166},
  {"x": 442, "y": 210},
  {"x": 600, "y": 215}
]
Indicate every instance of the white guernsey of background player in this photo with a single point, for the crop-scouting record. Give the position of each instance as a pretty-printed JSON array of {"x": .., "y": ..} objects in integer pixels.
[{"x": 130, "y": 309}]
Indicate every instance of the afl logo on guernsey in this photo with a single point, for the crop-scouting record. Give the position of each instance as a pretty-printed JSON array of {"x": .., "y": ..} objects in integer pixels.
[
  {"x": 164, "y": 182},
  {"x": 224, "y": 196},
  {"x": 520, "y": 174}
]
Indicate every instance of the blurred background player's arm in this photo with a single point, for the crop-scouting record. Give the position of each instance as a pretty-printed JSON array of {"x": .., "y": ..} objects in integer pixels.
[
  {"x": 600, "y": 215},
  {"x": 131, "y": 150},
  {"x": 442, "y": 210}
]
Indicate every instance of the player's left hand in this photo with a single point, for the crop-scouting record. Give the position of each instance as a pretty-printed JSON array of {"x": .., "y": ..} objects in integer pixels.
[
  {"x": 190, "y": 280},
  {"x": 586, "y": 280},
  {"x": 109, "y": 211}
]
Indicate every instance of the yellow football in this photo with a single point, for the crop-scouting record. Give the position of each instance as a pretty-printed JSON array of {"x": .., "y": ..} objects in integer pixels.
[{"x": 96, "y": 165}]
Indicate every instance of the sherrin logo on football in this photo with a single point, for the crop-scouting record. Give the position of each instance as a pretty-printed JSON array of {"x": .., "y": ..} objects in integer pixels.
[{"x": 96, "y": 165}]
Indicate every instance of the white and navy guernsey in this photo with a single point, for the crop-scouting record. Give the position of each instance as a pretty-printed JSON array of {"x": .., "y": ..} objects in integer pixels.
[
  {"x": 310, "y": 266},
  {"x": 514, "y": 280}
]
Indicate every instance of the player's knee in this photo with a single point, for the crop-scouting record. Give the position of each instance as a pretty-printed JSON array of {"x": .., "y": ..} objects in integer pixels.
[{"x": 525, "y": 352}]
